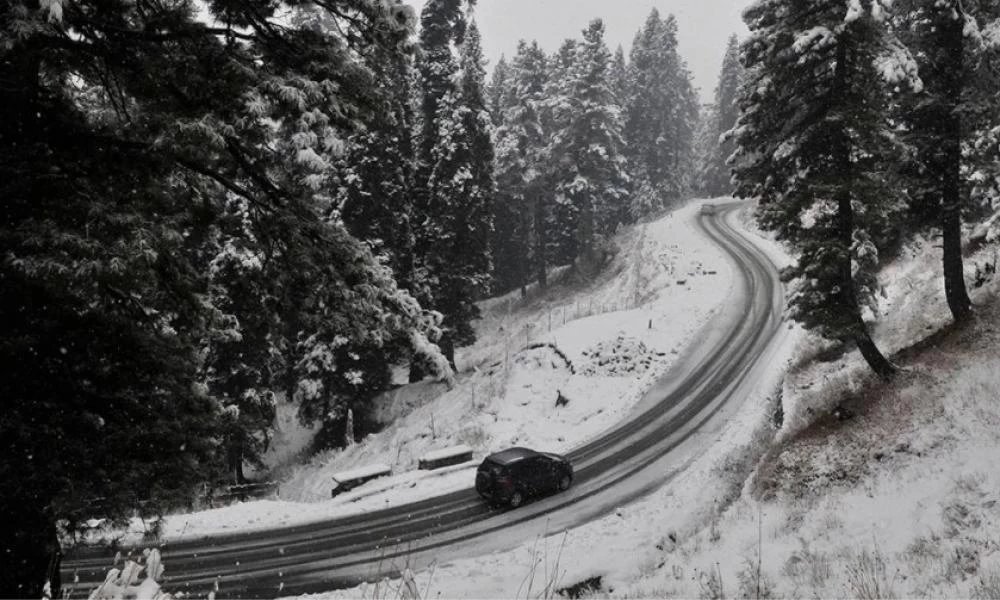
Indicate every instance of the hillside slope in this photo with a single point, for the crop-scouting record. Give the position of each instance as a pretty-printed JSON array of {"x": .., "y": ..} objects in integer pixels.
[
  {"x": 599, "y": 344},
  {"x": 867, "y": 490},
  {"x": 874, "y": 489}
]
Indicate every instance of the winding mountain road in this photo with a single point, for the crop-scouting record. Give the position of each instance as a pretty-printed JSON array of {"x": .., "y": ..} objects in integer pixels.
[{"x": 637, "y": 455}]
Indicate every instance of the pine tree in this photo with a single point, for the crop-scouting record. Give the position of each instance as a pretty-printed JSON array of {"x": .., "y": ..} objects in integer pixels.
[
  {"x": 521, "y": 210},
  {"x": 378, "y": 177},
  {"x": 498, "y": 90},
  {"x": 137, "y": 154},
  {"x": 456, "y": 172},
  {"x": 706, "y": 142},
  {"x": 716, "y": 175},
  {"x": 586, "y": 150},
  {"x": 945, "y": 117},
  {"x": 619, "y": 77},
  {"x": 560, "y": 226},
  {"x": 813, "y": 140},
  {"x": 661, "y": 115}
]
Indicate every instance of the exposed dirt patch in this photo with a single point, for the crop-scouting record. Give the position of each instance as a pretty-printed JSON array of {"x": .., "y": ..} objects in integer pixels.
[{"x": 868, "y": 422}]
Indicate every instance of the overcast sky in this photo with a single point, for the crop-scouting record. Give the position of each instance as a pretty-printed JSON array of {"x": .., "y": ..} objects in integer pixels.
[{"x": 704, "y": 26}]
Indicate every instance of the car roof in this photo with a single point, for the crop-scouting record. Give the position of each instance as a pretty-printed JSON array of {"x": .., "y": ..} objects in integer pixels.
[{"x": 511, "y": 455}]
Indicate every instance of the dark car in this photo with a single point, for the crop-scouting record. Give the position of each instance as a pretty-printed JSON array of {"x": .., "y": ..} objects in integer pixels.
[{"x": 510, "y": 476}]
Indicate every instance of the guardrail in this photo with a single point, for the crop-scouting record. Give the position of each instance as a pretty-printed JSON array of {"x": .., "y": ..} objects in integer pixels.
[
  {"x": 445, "y": 457},
  {"x": 242, "y": 493},
  {"x": 348, "y": 480}
]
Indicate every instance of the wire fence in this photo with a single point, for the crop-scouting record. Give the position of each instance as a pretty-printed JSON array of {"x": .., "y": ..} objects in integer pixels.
[{"x": 512, "y": 333}]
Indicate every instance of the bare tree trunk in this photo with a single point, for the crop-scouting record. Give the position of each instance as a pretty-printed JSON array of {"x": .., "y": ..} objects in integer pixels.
[
  {"x": 447, "y": 345},
  {"x": 951, "y": 198},
  {"x": 954, "y": 267},
  {"x": 541, "y": 241},
  {"x": 417, "y": 370},
  {"x": 872, "y": 355}
]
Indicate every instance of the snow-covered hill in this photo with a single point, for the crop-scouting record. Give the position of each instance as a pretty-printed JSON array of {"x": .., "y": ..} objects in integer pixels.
[
  {"x": 868, "y": 489},
  {"x": 599, "y": 344}
]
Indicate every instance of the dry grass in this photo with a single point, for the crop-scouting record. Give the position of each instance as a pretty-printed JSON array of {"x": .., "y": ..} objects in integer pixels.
[
  {"x": 988, "y": 587},
  {"x": 711, "y": 584},
  {"x": 808, "y": 569},
  {"x": 754, "y": 581},
  {"x": 869, "y": 576}
]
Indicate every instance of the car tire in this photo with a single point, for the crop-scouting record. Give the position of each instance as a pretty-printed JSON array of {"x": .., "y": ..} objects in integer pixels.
[
  {"x": 564, "y": 483},
  {"x": 516, "y": 499}
]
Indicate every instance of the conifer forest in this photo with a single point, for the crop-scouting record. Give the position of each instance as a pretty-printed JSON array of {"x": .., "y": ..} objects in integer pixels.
[{"x": 209, "y": 206}]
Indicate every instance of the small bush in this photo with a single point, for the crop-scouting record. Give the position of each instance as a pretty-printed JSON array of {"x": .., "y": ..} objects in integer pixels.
[
  {"x": 808, "y": 568},
  {"x": 754, "y": 582},
  {"x": 582, "y": 589},
  {"x": 988, "y": 587},
  {"x": 868, "y": 576},
  {"x": 711, "y": 584},
  {"x": 963, "y": 562},
  {"x": 923, "y": 553}
]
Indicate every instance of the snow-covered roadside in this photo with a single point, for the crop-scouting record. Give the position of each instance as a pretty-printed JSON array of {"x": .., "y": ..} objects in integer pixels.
[
  {"x": 614, "y": 552},
  {"x": 663, "y": 286},
  {"x": 900, "y": 499},
  {"x": 894, "y": 495}
]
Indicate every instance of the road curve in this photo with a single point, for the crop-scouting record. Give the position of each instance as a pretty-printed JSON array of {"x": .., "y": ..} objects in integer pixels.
[{"x": 611, "y": 470}]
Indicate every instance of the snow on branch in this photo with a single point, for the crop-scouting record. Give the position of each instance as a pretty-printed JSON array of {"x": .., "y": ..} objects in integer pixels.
[{"x": 897, "y": 66}]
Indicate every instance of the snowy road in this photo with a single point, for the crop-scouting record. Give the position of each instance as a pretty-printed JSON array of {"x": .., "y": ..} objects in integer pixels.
[{"x": 639, "y": 454}]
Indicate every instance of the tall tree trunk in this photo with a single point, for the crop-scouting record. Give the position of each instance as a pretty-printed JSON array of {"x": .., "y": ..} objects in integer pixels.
[
  {"x": 29, "y": 552},
  {"x": 417, "y": 370},
  {"x": 235, "y": 460},
  {"x": 951, "y": 197},
  {"x": 447, "y": 345},
  {"x": 845, "y": 220},
  {"x": 585, "y": 237},
  {"x": 872, "y": 355},
  {"x": 954, "y": 267},
  {"x": 541, "y": 241},
  {"x": 848, "y": 295}
]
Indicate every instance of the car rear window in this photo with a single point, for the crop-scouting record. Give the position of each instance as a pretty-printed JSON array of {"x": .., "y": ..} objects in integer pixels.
[{"x": 492, "y": 468}]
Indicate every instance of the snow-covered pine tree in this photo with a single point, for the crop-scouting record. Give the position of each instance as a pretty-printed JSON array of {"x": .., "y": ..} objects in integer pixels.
[
  {"x": 661, "y": 115},
  {"x": 117, "y": 199},
  {"x": 585, "y": 156},
  {"x": 957, "y": 104},
  {"x": 442, "y": 26},
  {"x": 521, "y": 209},
  {"x": 456, "y": 174},
  {"x": 376, "y": 181},
  {"x": 813, "y": 141},
  {"x": 982, "y": 166},
  {"x": 560, "y": 230},
  {"x": 497, "y": 91},
  {"x": 716, "y": 178},
  {"x": 619, "y": 77},
  {"x": 706, "y": 140},
  {"x": 244, "y": 362}
]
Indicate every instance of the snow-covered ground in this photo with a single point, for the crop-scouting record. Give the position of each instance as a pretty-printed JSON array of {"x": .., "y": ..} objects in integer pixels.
[
  {"x": 623, "y": 547},
  {"x": 598, "y": 344},
  {"x": 898, "y": 497}
]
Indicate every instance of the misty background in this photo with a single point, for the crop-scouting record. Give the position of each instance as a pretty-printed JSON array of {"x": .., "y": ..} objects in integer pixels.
[{"x": 704, "y": 26}]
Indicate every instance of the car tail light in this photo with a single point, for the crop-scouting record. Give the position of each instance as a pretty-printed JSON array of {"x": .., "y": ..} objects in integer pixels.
[{"x": 505, "y": 482}]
